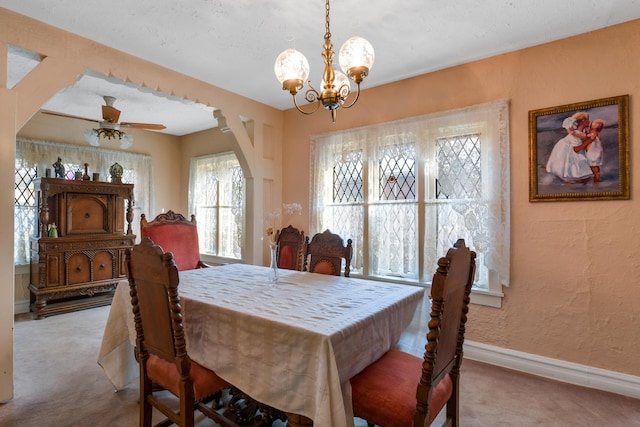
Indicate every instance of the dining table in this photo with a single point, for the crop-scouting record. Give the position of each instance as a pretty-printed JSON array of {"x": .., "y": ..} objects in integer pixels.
[{"x": 292, "y": 344}]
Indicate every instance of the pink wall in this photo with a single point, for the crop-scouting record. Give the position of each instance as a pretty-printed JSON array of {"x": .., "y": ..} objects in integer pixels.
[
  {"x": 574, "y": 291},
  {"x": 573, "y": 294}
]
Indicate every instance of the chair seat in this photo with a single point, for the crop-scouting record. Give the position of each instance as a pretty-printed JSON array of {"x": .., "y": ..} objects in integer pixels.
[
  {"x": 380, "y": 390},
  {"x": 205, "y": 381}
]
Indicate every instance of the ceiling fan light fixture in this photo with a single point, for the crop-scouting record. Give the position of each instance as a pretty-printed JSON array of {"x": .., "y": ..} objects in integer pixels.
[
  {"x": 109, "y": 126},
  {"x": 110, "y": 133},
  {"x": 356, "y": 58},
  {"x": 91, "y": 136},
  {"x": 126, "y": 141}
]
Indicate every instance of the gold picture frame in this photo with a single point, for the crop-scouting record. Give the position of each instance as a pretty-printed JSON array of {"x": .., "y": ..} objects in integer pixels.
[{"x": 580, "y": 151}]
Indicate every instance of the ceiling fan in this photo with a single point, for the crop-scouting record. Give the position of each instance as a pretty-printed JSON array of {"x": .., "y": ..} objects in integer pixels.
[{"x": 109, "y": 127}]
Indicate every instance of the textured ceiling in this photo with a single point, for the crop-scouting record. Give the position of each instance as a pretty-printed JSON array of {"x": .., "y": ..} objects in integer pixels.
[{"x": 233, "y": 43}]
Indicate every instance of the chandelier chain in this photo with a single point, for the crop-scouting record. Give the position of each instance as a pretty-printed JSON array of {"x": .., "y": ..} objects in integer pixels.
[{"x": 327, "y": 34}]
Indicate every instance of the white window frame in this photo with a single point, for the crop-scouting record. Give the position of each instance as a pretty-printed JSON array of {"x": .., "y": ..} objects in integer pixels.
[
  {"x": 230, "y": 232},
  {"x": 490, "y": 238}
]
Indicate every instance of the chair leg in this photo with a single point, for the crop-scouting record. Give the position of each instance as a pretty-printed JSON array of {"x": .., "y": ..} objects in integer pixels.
[
  {"x": 145, "y": 413},
  {"x": 187, "y": 408},
  {"x": 146, "y": 409},
  {"x": 453, "y": 408}
]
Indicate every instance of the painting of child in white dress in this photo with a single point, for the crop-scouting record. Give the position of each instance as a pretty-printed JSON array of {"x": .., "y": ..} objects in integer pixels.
[{"x": 579, "y": 153}]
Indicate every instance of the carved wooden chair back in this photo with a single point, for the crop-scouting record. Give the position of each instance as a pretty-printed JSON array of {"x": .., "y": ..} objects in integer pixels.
[
  {"x": 160, "y": 342},
  {"x": 291, "y": 248},
  {"x": 175, "y": 234},
  {"x": 400, "y": 389},
  {"x": 325, "y": 254}
]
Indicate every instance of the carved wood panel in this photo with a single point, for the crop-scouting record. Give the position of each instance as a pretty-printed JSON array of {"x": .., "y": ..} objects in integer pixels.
[{"x": 87, "y": 214}]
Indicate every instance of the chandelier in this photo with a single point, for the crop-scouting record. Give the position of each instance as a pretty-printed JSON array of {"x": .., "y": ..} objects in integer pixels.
[
  {"x": 356, "y": 58},
  {"x": 108, "y": 130}
]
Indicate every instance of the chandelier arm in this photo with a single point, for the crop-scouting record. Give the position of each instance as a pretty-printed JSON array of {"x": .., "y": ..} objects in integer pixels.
[
  {"x": 312, "y": 95},
  {"x": 354, "y": 101},
  {"x": 295, "y": 102}
]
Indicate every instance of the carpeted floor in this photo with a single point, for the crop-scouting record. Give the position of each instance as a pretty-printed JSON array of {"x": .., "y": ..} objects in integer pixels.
[{"x": 58, "y": 383}]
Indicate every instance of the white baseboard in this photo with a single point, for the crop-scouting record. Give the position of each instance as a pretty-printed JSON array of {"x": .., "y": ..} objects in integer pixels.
[
  {"x": 21, "y": 306},
  {"x": 573, "y": 373}
]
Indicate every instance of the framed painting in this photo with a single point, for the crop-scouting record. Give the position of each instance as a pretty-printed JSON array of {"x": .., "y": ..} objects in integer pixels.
[{"x": 580, "y": 151}]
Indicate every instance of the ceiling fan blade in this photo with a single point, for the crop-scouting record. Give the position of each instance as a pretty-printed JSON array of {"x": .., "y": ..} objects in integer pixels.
[
  {"x": 53, "y": 113},
  {"x": 110, "y": 114},
  {"x": 150, "y": 126}
]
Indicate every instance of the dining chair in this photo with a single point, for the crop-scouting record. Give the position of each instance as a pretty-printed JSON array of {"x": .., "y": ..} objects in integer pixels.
[
  {"x": 160, "y": 341},
  {"x": 400, "y": 389},
  {"x": 325, "y": 252},
  {"x": 291, "y": 248},
  {"x": 175, "y": 234}
]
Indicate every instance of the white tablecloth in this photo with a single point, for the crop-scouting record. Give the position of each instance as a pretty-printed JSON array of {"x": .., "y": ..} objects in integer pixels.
[{"x": 293, "y": 346}]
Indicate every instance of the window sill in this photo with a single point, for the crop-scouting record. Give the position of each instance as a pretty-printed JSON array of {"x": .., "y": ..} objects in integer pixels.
[
  {"x": 21, "y": 269},
  {"x": 478, "y": 296},
  {"x": 215, "y": 260},
  {"x": 485, "y": 297}
]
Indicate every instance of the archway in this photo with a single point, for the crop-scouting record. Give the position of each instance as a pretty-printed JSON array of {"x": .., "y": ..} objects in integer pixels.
[{"x": 63, "y": 62}]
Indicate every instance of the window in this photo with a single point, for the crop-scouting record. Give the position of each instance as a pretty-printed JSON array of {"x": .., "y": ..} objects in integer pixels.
[
  {"x": 25, "y": 209},
  {"x": 405, "y": 191},
  {"x": 217, "y": 197},
  {"x": 33, "y": 157}
]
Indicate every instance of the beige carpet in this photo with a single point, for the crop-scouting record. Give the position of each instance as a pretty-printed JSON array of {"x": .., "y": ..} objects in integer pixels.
[{"x": 58, "y": 383}]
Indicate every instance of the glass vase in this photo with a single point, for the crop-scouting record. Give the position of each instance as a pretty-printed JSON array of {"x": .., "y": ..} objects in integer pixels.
[{"x": 273, "y": 266}]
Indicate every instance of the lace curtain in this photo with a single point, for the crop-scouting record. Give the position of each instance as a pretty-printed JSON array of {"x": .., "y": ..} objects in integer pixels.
[
  {"x": 347, "y": 150},
  {"x": 415, "y": 155},
  {"x": 39, "y": 155},
  {"x": 217, "y": 198}
]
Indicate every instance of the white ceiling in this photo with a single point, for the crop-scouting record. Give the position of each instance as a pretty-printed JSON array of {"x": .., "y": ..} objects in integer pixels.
[{"x": 233, "y": 43}]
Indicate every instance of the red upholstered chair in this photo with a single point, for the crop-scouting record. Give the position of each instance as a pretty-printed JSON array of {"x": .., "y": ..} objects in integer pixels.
[
  {"x": 291, "y": 248},
  {"x": 175, "y": 234},
  {"x": 160, "y": 342},
  {"x": 325, "y": 253},
  {"x": 401, "y": 390}
]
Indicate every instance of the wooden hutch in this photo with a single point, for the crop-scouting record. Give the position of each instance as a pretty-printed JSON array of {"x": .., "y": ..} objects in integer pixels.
[{"x": 81, "y": 267}]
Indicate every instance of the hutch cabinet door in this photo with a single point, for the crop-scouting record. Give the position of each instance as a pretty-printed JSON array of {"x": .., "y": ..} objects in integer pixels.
[
  {"x": 87, "y": 214},
  {"x": 78, "y": 269},
  {"x": 103, "y": 266},
  {"x": 54, "y": 274}
]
